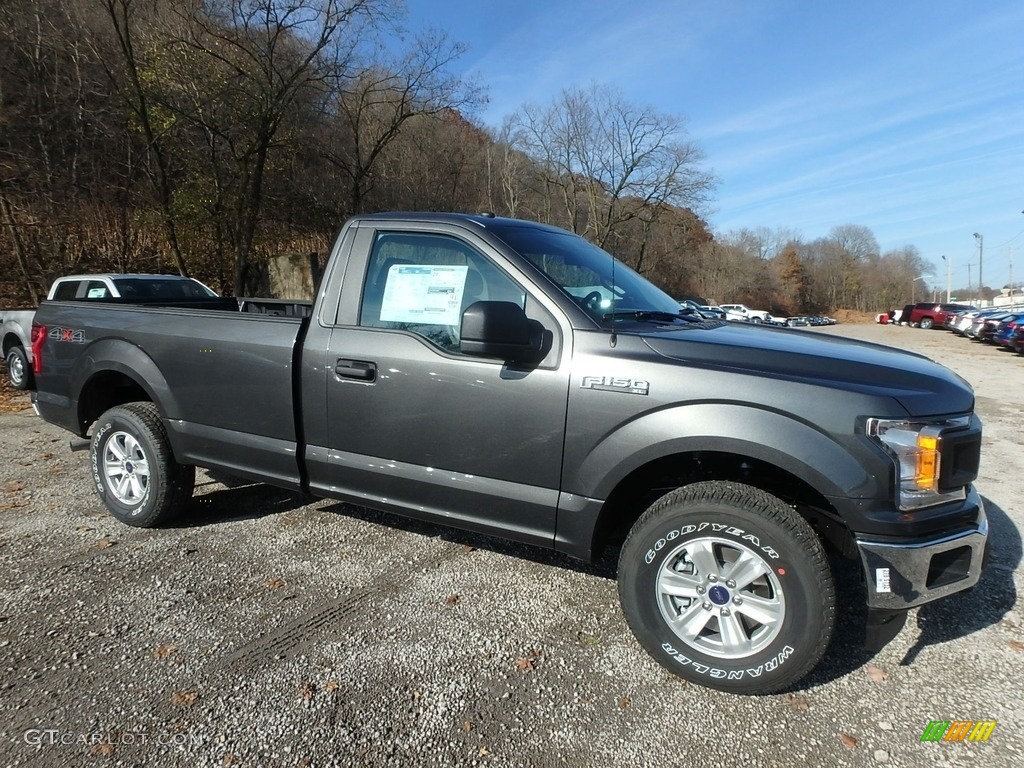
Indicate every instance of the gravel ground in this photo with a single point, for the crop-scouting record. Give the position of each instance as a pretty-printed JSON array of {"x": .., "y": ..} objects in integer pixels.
[{"x": 268, "y": 629}]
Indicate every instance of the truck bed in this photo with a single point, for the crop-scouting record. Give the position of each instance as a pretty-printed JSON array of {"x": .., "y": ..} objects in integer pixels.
[{"x": 212, "y": 365}]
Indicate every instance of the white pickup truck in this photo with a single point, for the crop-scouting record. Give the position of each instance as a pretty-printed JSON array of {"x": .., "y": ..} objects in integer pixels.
[
  {"x": 744, "y": 313},
  {"x": 16, "y": 325}
]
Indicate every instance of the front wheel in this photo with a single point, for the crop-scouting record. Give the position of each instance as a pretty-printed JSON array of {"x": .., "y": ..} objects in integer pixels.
[
  {"x": 728, "y": 587},
  {"x": 19, "y": 372},
  {"x": 926, "y": 323},
  {"x": 133, "y": 467}
]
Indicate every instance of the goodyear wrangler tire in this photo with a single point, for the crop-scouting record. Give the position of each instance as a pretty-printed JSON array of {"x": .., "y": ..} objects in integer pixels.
[
  {"x": 133, "y": 467},
  {"x": 727, "y": 586}
]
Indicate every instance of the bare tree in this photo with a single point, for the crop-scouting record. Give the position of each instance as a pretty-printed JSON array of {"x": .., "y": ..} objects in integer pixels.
[
  {"x": 608, "y": 161},
  {"x": 372, "y": 107}
]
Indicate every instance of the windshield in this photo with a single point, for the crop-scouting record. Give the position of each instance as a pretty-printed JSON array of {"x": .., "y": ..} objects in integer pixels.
[{"x": 606, "y": 288}]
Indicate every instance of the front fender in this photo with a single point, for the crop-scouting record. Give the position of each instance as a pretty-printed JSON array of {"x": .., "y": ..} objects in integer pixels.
[{"x": 780, "y": 440}]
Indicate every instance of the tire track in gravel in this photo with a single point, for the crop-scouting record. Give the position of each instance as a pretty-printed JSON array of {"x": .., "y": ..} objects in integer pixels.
[{"x": 297, "y": 636}]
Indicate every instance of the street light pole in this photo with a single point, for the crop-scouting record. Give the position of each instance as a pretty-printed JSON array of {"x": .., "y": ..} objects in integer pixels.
[
  {"x": 949, "y": 267},
  {"x": 981, "y": 256}
]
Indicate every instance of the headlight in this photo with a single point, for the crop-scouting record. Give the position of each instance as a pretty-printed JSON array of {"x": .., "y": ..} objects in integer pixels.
[{"x": 917, "y": 449}]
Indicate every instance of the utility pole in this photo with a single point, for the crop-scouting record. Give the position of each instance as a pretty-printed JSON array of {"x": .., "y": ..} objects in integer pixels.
[
  {"x": 981, "y": 257},
  {"x": 1010, "y": 260},
  {"x": 949, "y": 267}
]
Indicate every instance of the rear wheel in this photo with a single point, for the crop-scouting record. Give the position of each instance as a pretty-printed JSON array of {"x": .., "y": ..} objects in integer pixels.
[
  {"x": 727, "y": 586},
  {"x": 19, "y": 372},
  {"x": 133, "y": 467}
]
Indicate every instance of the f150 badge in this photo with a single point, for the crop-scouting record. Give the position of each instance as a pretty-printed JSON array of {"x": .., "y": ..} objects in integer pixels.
[{"x": 617, "y": 384}]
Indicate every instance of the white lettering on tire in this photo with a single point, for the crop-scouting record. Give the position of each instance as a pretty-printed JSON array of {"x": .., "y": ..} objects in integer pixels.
[
  {"x": 736, "y": 674},
  {"x": 730, "y": 530}
]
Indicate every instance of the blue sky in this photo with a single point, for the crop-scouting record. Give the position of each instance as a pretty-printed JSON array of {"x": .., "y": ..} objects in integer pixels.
[{"x": 904, "y": 117}]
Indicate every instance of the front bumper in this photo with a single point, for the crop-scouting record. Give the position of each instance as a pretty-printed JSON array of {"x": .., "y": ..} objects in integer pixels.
[{"x": 903, "y": 575}]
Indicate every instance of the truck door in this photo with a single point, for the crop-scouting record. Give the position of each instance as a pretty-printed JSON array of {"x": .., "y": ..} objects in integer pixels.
[{"x": 417, "y": 426}]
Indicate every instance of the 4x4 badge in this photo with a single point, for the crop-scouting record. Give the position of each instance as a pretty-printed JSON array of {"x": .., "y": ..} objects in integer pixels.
[{"x": 617, "y": 384}]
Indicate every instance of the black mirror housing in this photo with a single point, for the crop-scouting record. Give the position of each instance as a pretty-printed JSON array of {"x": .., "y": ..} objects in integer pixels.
[{"x": 501, "y": 329}]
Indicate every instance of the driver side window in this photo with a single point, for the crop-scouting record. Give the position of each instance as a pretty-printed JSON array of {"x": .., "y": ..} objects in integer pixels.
[{"x": 422, "y": 283}]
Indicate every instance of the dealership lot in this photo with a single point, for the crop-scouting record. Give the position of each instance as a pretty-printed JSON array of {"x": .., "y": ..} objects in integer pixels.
[{"x": 271, "y": 629}]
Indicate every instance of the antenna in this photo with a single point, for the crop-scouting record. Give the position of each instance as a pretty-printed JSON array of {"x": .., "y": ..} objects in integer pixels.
[{"x": 613, "y": 340}]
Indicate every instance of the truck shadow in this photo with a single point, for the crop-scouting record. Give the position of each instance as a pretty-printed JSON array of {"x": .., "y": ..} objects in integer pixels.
[
  {"x": 239, "y": 499},
  {"x": 604, "y": 567},
  {"x": 940, "y": 622}
]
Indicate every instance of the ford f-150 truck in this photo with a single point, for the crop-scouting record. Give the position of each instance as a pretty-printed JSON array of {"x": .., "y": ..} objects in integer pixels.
[{"x": 513, "y": 379}]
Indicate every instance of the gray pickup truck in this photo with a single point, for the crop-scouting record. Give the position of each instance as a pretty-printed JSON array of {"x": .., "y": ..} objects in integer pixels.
[{"x": 511, "y": 378}]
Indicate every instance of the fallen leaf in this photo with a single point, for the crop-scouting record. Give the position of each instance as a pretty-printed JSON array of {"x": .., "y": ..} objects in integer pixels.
[
  {"x": 417, "y": 695},
  {"x": 275, "y": 583},
  {"x": 307, "y": 690},
  {"x": 228, "y": 759},
  {"x": 452, "y": 600},
  {"x": 331, "y": 686},
  {"x": 184, "y": 698},
  {"x": 524, "y": 664},
  {"x": 1017, "y": 645},
  {"x": 876, "y": 673},
  {"x": 484, "y": 751},
  {"x": 104, "y": 544},
  {"x": 797, "y": 703},
  {"x": 165, "y": 651},
  {"x": 467, "y": 726},
  {"x": 469, "y": 548},
  {"x": 625, "y": 702},
  {"x": 848, "y": 741},
  {"x": 104, "y": 749}
]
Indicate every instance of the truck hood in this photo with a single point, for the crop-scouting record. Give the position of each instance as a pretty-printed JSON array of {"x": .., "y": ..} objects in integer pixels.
[{"x": 920, "y": 385}]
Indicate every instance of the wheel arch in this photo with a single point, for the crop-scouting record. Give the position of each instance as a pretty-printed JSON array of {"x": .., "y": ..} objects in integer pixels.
[
  {"x": 113, "y": 372},
  {"x": 11, "y": 340},
  {"x": 792, "y": 460}
]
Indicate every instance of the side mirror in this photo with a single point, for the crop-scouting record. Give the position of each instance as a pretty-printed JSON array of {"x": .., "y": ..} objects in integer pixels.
[{"x": 501, "y": 329}]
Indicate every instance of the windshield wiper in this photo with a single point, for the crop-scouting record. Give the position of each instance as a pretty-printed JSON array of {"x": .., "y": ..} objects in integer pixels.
[{"x": 650, "y": 315}]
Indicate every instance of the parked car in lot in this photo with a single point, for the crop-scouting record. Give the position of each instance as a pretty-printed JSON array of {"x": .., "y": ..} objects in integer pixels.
[
  {"x": 707, "y": 312},
  {"x": 16, "y": 326},
  {"x": 1017, "y": 339},
  {"x": 985, "y": 328},
  {"x": 717, "y": 312},
  {"x": 931, "y": 315},
  {"x": 16, "y": 341},
  {"x": 978, "y": 321},
  {"x": 1006, "y": 329},
  {"x": 745, "y": 313}
]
